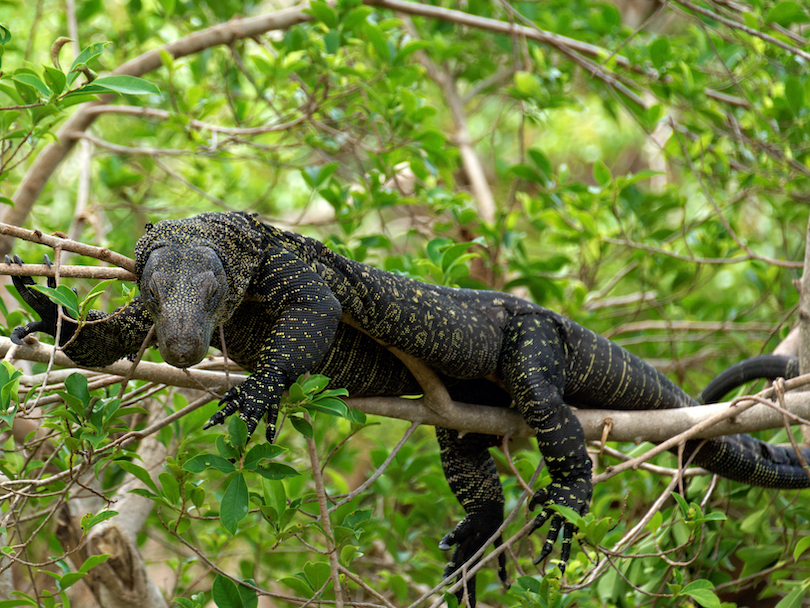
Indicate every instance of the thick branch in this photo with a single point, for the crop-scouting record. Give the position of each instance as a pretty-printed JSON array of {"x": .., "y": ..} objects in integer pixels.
[
  {"x": 52, "y": 155},
  {"x": 626, "y": 425}
]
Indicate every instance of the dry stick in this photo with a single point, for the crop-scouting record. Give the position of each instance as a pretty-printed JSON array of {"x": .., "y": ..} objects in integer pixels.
[
  {"x": 502, "y": 27},
  {"x": 195, "y": 124},
  {"x": 227, "y": 33},
  {"x": 119, "y": 149},
  {"x": 652, "y": 468},
  {"x": 744, "y": 28},
  {"x": 631, "y": 534},
  {"x": 73, "y": 272},
  {"x": 288, "y": 598},
  {"x": 361, "y": 583},
  {"x": 320, "y": 492},
  {"x": 737, "y": 406},
  {"x": 366, "y": 484},
  {"x": 717, "y": 326},
  {"x": 526, "y": 529},
  {"x": 469, "y": 158},
  {"x": 100, "y": 253},
  {"x": 52, "y": 155}
]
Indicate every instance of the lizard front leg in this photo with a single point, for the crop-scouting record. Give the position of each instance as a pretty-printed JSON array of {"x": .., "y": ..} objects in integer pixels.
[
  {"x": 295, "y": 330},
  {"x": 109, "y": 338}
]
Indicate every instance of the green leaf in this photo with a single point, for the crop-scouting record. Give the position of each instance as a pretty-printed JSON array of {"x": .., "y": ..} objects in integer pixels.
[
  {"x": 275, "y": 495},
  {"x": 275, "y": 470},
  {"x": 302, "y": 426},
  {"x": 128, "y": 85},
  {"x": 93, "y": 295},
  {"x": 329, "y": 405},
  {"x": 234, "y": 505},
  {"x": 794, "y": 94},
  {"x": 225, "y": 594},
  {"x": 324, "y": 13},
  {"x": 55, "y": 79},
  {"x": 93, "y": 561},
  {"x": 356, "y": 518},
  {"x": 70, "y": 579},
  {"x": 529, "y": 583},
  {"x": 5, "y": 34},
  {"x": 237, "y": 432},
  {"x": 410, "y": 47},
  {"x": 170, "y": 487},
  {"x": 660, "y": 52},
  {"x": 801, "y": 546},
  {"x": 314, "y": 383},
  {"x": 90, "y": 519},
  {"x": 205, "y": 461},
  {"x": 76, "y": 385},
  {"x": 31, "y": 80},
  {"x": 139, "y": 472},
  {"x": 23, "y": 600},
  {"x": 702, "y": 592},
  {"x": 225, "y": 449},
  {"x": 528, "y": 85},
  {"x": 168, "y": 7},
  {"x": 378, "y": 40},
  {"x": 787, "y": 13},
  {"x": 795, "y": 598},
  {"x": 260, "y": 452},
  {"x": 601, "y": 173},
  {"x": 61, "y": 295},
  {"x": 86, "y": 56}
]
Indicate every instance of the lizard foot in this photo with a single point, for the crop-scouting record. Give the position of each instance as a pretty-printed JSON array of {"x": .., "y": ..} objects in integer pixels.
[
  {"x": 574, "y": 494},
  {"x": 250, "y": 399},
  {"x": 470, "y": 535},
  {"x": 43, "y": 306}
]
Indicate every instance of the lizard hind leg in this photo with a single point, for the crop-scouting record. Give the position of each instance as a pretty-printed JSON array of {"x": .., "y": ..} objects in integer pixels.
[
  {"x": 471, "y": 473},
  {"x": 532, "y": 366}
]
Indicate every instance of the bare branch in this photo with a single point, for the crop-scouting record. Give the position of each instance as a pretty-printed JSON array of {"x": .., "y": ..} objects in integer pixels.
[
  {"x": 627, "y": 425},
  {"x": 74, "y": 272},
  {"x": 91, "y": 251},
  {"x": 744, "y": 28},
  {"x": 195, "y": 124},
  {"x": 686, "y": 326},
  {"x": 52, "y": 155}
]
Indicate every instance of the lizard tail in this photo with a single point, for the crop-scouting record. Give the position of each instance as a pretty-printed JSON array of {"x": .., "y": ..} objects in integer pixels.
[
  {"x": 742, "y": 457},
  {"x": 748, "y": 460},
  {"x": 761, "y": 366}
]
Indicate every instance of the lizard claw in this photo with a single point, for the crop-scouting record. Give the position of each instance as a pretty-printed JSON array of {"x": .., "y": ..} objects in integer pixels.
[
  {"x": 41, "y": 304},
  {"x": 468, "y": 537},
  {"x": 575, "y": 494},
  {"x": 250, "y": 399}
]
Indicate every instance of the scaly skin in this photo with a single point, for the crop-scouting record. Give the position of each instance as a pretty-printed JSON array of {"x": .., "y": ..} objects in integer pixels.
[{"x": 280, "y": 298}]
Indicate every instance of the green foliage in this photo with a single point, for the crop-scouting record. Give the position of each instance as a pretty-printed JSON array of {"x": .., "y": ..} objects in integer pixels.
[{"x": 654, "y": 191}]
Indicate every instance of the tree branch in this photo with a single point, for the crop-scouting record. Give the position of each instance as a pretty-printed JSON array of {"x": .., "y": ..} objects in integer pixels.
[
  {"x": 626, "y": 425},
  {"x": 74, "y": 272},
  {"x": 99, "y": 253},
  {"x": 52, "y": 155}
]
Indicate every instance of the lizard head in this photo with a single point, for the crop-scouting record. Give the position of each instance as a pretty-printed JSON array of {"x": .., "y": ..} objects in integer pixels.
[{"x": 184, "y": 289}]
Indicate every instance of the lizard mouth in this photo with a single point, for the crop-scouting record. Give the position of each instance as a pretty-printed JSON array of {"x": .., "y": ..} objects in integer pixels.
[
  {"x": 184, "y": 350},
  {"x": 183, "y": 344}
]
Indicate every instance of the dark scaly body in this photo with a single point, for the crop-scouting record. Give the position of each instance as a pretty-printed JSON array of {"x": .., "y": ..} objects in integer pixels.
[{"x": 280, "y": 296}]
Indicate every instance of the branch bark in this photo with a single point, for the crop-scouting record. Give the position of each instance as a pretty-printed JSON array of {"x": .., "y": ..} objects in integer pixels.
[{"x": 626, "y": 425}]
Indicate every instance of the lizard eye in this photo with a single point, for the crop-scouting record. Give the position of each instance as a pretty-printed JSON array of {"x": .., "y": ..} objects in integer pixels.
[{"x": 153, "y": 291}]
